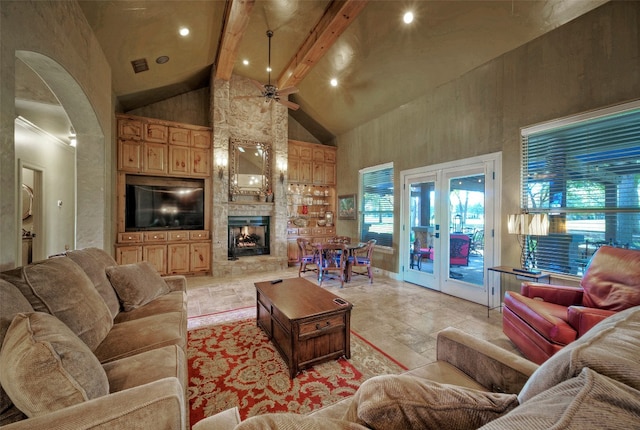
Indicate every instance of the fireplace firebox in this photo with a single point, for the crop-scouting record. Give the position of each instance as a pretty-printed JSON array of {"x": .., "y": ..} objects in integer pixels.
[{"x": 248, "y": 235}]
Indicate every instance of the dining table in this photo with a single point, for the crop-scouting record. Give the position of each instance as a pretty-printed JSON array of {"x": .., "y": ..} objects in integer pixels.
[{"x": 351, "y": 248}]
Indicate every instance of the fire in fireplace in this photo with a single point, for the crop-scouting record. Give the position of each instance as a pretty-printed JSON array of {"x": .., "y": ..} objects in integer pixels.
[{"x": 248, "y": 235}]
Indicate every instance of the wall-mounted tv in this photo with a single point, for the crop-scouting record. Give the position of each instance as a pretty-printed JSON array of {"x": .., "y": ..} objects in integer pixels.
[{"x": 161, "y": 203}]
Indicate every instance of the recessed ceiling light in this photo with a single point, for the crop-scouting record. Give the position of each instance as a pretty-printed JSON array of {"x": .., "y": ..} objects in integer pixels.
[
  {"x": 184, "y": 31},
  {"x": 268, "y": 69},
  {"x": 408, "y": 17},
  {"x": 334, "y": 82},
  {"x": 245, "y": 62},
  {"x": 162, "y": 59}
]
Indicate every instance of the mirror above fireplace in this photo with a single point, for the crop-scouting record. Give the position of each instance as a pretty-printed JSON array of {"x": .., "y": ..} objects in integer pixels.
[{"x": 250, "y": 168}]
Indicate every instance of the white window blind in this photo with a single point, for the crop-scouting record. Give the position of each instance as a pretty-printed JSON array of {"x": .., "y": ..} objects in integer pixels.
[
  {"x": 376, "y": 197},
  {"x": 584, "y": 173}
]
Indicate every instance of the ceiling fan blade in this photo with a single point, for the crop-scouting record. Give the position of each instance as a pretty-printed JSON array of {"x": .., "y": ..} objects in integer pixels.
[
  {"x": 288, "y": 104},
  {"x": 287, "y": 91},
  {"x": 257, "y": 84},
  {"x": 247, "y": 97}
]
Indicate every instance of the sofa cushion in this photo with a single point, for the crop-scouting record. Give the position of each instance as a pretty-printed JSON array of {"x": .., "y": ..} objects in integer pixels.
[
  {"x": 612, "y": 279},
  {"x": 94, "y": 261},
  {"x": 175, "y": 301},
  {"x": 58, "y": 286},
  {"x": 288, "y": 421},
  {"x": 46, "y": 367},
  {"x": 136, "y": 284},
  {"x": 406, "y": 402},
  {"x": 610, "y": 348},
  {"x": 12, "y": 303},
  {"x": 587, "y": 401},
  {"x": 143, "y": 334}
]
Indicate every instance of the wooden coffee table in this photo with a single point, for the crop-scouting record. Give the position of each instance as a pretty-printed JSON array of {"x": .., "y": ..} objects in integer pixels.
[{"x": 304, "y": 322}]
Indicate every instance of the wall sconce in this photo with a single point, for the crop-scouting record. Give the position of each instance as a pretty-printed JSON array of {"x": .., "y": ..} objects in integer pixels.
[
  {"x": 282, "y": 167},
  {"x": 221, "y": 162}
]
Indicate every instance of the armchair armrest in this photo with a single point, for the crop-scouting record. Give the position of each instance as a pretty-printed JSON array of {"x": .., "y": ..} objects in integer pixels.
[
  {"x": 582, "y": 318},
  {"x": 156, "y": 405},
  {"x": 176, "y": 282},
  {"x": 558, "y": 294},
  {"x": 491, "y": 366}
]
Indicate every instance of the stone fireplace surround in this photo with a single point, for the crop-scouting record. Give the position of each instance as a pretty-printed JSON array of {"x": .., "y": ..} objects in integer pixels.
[{"x": 239, "y": 118}]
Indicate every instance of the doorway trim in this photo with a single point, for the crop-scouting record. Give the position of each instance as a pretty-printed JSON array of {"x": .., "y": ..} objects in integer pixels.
[{"x": 493, "y": 194}]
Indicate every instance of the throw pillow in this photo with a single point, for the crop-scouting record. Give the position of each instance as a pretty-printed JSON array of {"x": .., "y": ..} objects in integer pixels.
[
  {"x": 44, "y": 366},
  {"x": 405, "y": 402},
  {"x": 610, "y": 348},
  {"x": 587, "y": 401},
  {"x": 94, "y": 261},
  {"x": 295, "y": 421},
  {"x": 136, "y": 284},
  {"x": 59, "y": 287}
]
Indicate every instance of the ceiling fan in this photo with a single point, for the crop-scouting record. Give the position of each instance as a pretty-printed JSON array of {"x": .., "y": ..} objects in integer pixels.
[{"x": 271, "y": 92}]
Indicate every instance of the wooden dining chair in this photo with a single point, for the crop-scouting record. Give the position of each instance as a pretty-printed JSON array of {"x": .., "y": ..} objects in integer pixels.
[
  {"x": 308, "y": 255},
  {"x": 333, "y": 259},
  {"x": 360, "y": 260}
]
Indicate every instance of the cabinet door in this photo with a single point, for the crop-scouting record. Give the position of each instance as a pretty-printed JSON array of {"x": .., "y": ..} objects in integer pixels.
[
  {"x": 292, "y": 250},
  {"x": 177, "y": 258},
  {"x": 157, "y": 256},
  {"x": 330, "y": 174},
  {"x": 130, "y": 129},
  {"x": 304, "y": 172},
  {"x": 156, "y": 133},
  {"x": 155, "y": 158},
  {"x": 200, "y": 257},
  {"x": 318, "y": 173},
  {"x": 329, "y": 155},
  {"x": 200, "y": 162},
  {"x": 294, "y": 150},
  {"x": 306, "y": 153},
  {"x": 179, "y": 136},
  {"x": 201, "y": 139},
  {"x": 178, "y": 160},
  {"x": 318, "y": 154},
  {"x": 129, "y": 254},
  {"x": 130, "y": 156},
  {"x": 294, "y": 170}
]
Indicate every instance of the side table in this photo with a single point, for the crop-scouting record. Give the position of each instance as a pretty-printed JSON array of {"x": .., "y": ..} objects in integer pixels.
[{"x": 506, "y": 270}]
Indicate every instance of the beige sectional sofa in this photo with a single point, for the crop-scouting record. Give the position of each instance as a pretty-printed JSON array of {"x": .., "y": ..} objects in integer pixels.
[
  {"x": 90, "y": 344},
  {"x": 593, "y": 383}
]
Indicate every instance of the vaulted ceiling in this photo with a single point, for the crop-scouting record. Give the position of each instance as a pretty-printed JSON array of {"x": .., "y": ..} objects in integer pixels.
[{"x": 379, "y": 61}]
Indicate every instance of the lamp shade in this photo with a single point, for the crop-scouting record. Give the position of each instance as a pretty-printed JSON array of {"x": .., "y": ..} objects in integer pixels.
[{"x": 528, "y": 224}]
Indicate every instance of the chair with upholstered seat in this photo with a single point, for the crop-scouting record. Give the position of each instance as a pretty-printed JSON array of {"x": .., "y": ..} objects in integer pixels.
[
  {"x": 333, "y": 259},
  {"x": 308, "y": 255},
  {"x": 542, "y": 319},
  {"x": 360, "y": 260}
]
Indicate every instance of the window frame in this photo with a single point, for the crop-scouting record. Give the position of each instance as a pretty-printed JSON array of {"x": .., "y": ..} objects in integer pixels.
[
  {"x": 362, "y": 201},
  {"x": 596, "y": 205}
]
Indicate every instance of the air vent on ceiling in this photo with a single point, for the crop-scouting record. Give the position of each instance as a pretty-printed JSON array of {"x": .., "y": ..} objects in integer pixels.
[{"x": 140, "y": 65}]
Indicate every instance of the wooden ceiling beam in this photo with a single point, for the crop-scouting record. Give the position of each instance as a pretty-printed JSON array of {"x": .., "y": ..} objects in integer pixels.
[
  {"x": 236, "y": 20},
  {"x": 336, "y": 19}
]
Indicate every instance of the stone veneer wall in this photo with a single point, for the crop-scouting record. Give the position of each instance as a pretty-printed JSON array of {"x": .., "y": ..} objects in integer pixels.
[{"x": 261, "y": 122}]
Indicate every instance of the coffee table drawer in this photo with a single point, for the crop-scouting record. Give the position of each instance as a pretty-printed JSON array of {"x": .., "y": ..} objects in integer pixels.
[{"x": 321, "y": 325}]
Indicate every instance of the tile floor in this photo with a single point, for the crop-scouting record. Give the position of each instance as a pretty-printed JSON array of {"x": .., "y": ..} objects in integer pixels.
[{"x": 400, "y": 318}]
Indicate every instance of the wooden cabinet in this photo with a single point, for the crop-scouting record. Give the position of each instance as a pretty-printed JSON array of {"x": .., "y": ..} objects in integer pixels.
[
  {"x": 163, "y": 149},
  {"x": 313, "y": 234},
  {"x": 311, "y": 163}
]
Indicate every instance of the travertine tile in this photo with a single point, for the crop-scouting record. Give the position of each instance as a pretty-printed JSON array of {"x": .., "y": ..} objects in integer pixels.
[{"x": 400, "y": 318}]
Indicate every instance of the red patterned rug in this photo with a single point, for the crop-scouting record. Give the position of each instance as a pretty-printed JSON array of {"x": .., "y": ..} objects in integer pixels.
[{"x": 233, "y": 363}]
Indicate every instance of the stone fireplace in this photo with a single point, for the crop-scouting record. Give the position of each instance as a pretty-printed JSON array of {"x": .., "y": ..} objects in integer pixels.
[{"x": 248, "y": 235}]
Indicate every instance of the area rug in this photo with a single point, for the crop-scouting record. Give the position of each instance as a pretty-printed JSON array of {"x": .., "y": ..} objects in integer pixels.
[{"x": 233, "y": 363}]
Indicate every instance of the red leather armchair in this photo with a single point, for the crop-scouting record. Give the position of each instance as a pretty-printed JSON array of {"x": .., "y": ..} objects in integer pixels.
[{"x": 542, "y": 318}]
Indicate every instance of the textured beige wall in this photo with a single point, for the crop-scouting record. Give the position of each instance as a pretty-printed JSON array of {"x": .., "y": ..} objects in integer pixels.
[
  {"x": 54, "y": 39},
  {"x": 189, "y": 108},
  {"x": 586, "y": 64}
]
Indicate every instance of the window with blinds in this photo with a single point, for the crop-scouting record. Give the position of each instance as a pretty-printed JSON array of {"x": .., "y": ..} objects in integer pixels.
[
  {"x": 584, "y": 172},
  {"x": 376, "y": 197}
]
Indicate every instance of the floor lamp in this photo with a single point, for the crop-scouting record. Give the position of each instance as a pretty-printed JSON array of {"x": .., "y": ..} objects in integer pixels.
[{"x": 528, "y": 227}]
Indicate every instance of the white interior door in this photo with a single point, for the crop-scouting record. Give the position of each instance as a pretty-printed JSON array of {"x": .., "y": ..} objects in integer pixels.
[{"x": 450, "y": 209}]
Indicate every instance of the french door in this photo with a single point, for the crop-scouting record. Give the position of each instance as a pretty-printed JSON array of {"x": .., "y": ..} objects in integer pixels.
[{"x": 448, "y": 224}]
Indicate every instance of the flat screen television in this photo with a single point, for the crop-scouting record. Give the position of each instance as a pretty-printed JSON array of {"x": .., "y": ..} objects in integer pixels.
[{"x": 160, "y": 203}]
